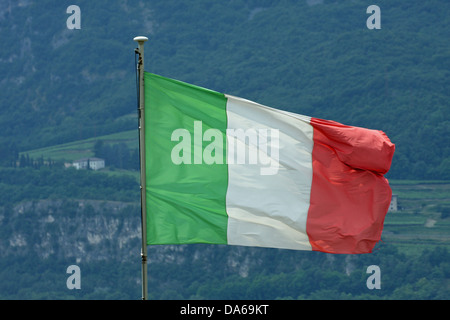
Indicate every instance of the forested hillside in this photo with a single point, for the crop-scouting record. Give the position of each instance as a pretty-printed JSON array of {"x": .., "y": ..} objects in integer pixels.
[{"x": 313, "y": 57}]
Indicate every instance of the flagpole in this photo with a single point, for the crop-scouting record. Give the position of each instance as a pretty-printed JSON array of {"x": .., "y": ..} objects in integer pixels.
[{"x": 141, "y": 40}]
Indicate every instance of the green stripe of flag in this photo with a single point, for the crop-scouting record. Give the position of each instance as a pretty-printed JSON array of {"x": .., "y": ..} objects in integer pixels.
[{"x": 186, "y": 203}]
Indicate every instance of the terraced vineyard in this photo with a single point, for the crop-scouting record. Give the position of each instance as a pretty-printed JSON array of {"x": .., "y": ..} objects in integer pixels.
[
  {"x": 83, "y": 148},
  {"x": 423, "y": 218}
]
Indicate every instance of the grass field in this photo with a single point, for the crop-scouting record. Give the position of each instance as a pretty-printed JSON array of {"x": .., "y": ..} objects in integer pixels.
[
  {"x": 71, "y": 151},
  {"x": 423, "y": 219}
]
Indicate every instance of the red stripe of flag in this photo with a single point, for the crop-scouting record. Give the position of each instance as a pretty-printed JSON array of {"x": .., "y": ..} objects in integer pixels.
[{"x": 349, "y": 194}]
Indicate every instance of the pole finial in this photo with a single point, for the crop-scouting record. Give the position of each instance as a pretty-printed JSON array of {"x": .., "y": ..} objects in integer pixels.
[{"x": 140, "y": 39}]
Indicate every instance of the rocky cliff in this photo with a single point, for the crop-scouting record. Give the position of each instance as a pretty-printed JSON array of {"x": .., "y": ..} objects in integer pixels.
[{"x": 84, "y": 230}]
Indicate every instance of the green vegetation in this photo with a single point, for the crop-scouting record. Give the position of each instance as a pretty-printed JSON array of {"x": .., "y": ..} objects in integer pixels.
[
  {"x": 273, "y": 274},
  {"x": 413, "y": 255},
  {"x": 18, "y": 184},
  {"x": 60, "y": 85}
]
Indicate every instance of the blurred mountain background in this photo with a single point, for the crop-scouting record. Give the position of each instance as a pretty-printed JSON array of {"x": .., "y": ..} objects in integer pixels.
[{"x": 71, "y": 93}]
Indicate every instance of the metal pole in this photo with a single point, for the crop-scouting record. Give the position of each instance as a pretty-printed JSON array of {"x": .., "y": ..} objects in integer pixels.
[{"x": 140, "y": 40}]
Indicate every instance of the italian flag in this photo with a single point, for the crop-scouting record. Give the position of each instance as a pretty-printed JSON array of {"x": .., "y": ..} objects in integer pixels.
[{"x": 225, "y": 170}]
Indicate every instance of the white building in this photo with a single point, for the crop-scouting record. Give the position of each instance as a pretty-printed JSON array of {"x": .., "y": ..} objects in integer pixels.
[
  {"x": 93, "y": 163},
  {"x": 393, "y": 206}
]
